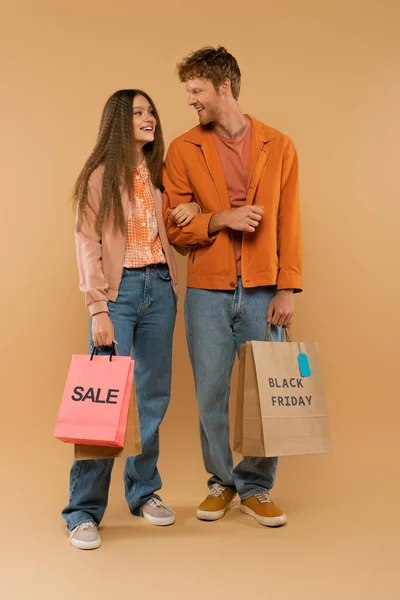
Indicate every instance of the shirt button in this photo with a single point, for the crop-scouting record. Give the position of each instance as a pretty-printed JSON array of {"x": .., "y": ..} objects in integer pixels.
[
  {"x": 232, "y": 284},
  {"x": 137, "y": 177},
  {"x": 143, "y": 224}
]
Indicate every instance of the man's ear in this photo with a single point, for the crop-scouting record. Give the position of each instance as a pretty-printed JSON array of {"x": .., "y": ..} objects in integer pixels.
[{"x": 225, "y": 87}]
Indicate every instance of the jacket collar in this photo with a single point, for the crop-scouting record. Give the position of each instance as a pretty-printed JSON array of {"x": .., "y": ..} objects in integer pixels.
[
  {"x": 259, "y": 151},
  {"x": 198, "y": 135}
]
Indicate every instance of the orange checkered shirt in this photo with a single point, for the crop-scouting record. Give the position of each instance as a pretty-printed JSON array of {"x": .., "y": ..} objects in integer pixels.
[{"x": 143, "y": 244}]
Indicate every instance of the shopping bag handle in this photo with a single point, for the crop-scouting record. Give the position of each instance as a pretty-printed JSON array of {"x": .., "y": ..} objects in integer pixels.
[
  {"x": 269, "y": 333},
  {"x": 113, "y": 351}
]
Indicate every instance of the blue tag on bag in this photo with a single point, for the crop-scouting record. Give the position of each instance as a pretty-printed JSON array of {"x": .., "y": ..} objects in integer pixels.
[{"x": 304, "y": 365}]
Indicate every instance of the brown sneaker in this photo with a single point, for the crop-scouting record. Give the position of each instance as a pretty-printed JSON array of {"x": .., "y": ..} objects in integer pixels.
[
  {"x": 216, "y": 504},
  {"x": 263, "y": 510}
]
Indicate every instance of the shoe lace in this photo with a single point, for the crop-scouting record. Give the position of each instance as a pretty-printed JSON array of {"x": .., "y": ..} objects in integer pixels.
[
  {"x": 216, "y": 491},
  {"x": 157, "y": 502},
  {"x": 84, "y": 526},
  {"x": 263, "y": 497}
]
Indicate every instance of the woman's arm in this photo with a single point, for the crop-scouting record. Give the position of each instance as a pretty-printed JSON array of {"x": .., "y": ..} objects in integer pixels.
[
  {"x": 88, "y": 253},
  {"x": 92, "y": 280}
]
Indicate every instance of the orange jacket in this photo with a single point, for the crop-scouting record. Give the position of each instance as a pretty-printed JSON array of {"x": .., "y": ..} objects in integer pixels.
[{"x": 270, "y": 256}]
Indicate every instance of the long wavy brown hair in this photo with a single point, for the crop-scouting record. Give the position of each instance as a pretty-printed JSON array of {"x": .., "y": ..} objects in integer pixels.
[{"x": 114, "y": 150}]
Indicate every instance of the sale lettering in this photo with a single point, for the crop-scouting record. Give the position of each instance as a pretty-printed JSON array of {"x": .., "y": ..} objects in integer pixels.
[{"x": 93, "y": 394}]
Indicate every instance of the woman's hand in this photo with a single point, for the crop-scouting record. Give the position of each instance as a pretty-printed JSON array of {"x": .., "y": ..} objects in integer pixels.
[
  {"x": 102, "y": 330},
  {"x": 184, "y": 213}
]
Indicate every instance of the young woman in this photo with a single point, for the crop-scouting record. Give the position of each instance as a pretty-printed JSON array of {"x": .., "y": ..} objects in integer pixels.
[{"x": 128, "y": 274}]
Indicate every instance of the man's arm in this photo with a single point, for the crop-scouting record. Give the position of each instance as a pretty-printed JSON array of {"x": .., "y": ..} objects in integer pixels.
[
  {"x": 290, "y": 246},
  {"x": 204, "y": 227},
  {"x": 177, "y": 191},
  {"x": 245, "y": 218}
]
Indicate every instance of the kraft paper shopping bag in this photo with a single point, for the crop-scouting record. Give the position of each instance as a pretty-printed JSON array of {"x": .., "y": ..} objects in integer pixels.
[{"x": 281, "y": 406}]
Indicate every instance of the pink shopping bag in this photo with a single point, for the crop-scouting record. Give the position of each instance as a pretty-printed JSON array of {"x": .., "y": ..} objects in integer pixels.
[{"x": 95, "y": 403}]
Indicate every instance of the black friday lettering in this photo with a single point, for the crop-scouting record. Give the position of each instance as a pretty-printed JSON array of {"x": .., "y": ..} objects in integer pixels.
[{"x": 283, "y": 383}]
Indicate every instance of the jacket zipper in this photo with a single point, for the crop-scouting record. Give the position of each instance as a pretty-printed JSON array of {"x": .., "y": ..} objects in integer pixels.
[{"x": 223, "y": 208}]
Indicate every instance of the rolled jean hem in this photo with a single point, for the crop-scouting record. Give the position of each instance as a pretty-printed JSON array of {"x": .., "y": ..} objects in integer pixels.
[{"x": 74, "y": 520}]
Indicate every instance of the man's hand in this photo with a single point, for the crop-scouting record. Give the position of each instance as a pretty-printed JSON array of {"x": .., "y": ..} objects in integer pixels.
[
  {"x": 245, "y": 218},
  {"x": 281, "y": 309}
]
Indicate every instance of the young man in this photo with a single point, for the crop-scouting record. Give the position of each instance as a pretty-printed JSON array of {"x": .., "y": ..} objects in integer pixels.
[{"x": 245, "y": 260}]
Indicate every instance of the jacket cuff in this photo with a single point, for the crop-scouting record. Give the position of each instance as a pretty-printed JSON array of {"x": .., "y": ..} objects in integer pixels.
[
  {"x": 192, "y": 235},
  {"x": 209, "y": 238},
  {"x": 202, "y": 232},
  {"x": 98, "y": 307},
  {"x": 288, "y": 280}
]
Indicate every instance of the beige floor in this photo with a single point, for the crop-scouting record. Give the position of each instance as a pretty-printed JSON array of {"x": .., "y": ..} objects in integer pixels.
[{"x": 341, "y": 541}]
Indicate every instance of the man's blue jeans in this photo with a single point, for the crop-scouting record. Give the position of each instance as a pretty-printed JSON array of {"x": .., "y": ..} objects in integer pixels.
[
  {"x": 143, "y": 317},
  {"x": 217, "y": 322}
]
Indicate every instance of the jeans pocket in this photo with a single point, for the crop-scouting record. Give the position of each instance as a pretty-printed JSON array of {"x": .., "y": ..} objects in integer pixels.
[{"x": 163, "y": 272}]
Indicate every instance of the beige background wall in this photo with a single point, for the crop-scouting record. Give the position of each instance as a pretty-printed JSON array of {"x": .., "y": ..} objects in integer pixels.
[{"x": 326, "y": 73}]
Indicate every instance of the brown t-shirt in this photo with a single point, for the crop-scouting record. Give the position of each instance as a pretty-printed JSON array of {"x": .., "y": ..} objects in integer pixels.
[{"x": 234, "y": 154}]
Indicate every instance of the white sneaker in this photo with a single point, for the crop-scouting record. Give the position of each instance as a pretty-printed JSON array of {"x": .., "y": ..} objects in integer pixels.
[
  {"x": 85, "y": 536},
  {"x": 157, "y": 513}
]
